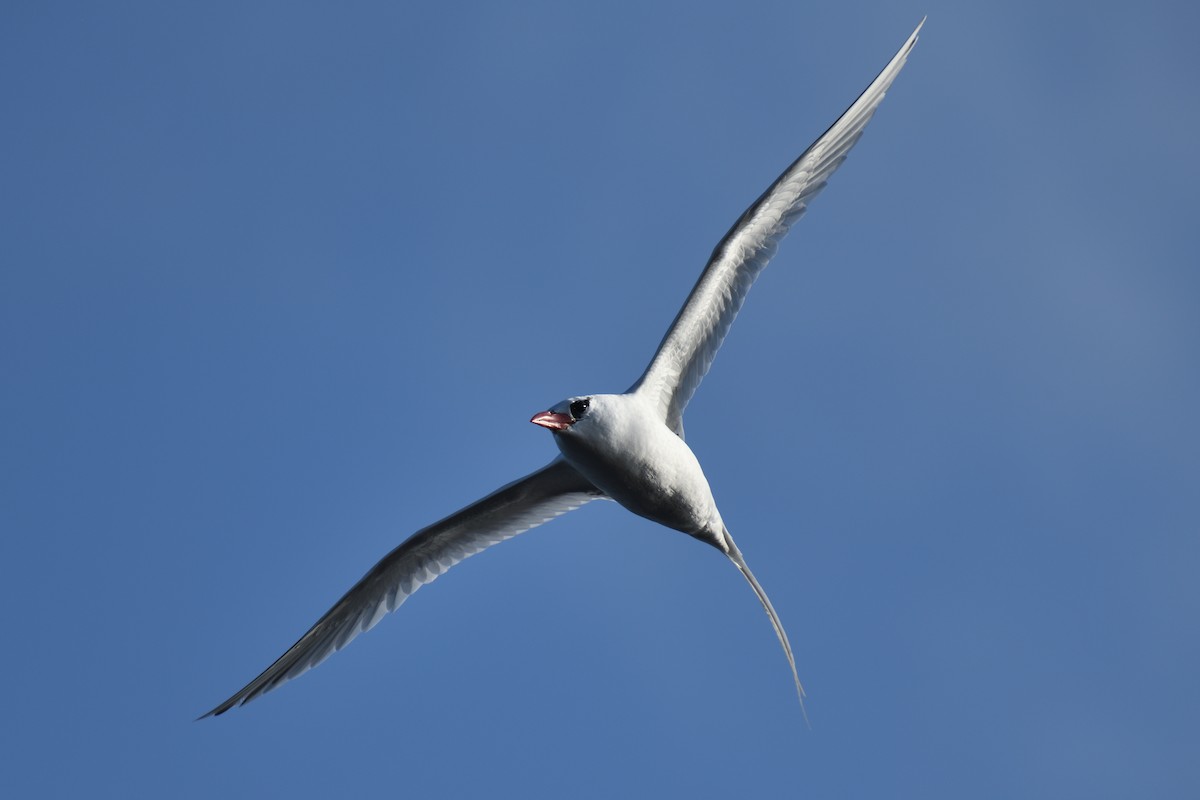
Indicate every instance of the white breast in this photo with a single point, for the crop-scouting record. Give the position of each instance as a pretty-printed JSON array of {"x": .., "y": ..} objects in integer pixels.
[{"x": 628, "y": 452}]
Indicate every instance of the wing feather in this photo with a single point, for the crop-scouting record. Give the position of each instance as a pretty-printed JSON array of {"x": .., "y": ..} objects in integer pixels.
[
  {"x": 692, "y": 341},
  {"x": 523, "y": 504}
]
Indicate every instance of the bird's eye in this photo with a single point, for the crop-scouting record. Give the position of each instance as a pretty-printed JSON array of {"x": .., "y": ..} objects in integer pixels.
[{"x": 579, "y": 408}]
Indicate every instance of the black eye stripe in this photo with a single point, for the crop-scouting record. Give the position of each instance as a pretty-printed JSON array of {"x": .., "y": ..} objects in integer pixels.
[{"x": 579, "y": 408}]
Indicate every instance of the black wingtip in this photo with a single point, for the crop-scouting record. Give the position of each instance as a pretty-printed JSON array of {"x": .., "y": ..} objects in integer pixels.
[{"x": 216, "y": 712}]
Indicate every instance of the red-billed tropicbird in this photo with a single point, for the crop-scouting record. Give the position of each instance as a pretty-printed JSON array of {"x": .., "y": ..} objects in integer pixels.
[{"x": 624, "y": 447}]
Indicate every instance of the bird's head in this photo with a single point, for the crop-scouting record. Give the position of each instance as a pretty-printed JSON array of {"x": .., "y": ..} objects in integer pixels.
[{"x": 564, "y": 416}]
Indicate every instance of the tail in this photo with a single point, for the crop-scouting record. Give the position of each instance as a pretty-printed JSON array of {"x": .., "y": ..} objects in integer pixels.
[{"x": 735, "y": 555}]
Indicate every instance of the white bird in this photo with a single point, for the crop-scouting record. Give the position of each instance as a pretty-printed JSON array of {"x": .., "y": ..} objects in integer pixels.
[{"x": 624, "y": 447}]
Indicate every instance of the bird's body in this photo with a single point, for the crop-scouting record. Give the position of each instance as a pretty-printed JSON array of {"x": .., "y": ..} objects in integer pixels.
[{"x": 625, "y": 447}]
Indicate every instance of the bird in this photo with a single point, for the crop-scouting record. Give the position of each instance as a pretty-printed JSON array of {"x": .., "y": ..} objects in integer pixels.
[{"x": 628, "y": 447}]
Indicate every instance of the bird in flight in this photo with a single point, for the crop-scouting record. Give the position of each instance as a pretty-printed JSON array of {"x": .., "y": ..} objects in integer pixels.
[{"x": 625, "y": 447}]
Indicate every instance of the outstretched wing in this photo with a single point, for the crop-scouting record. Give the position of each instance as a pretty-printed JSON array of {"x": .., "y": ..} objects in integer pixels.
[
  {"x": 692, "y": 341},
  {"x": 523, "y": 504}
]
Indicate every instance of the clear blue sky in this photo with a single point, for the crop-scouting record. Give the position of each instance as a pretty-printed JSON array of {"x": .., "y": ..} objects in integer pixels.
[{"x": 282, "y": 283}]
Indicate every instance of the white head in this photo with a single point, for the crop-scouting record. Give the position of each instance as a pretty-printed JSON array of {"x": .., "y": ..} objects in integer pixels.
[
  {"x": 585, "y": 414},
  {"x": 592, "y": 431},
  {"x": 562, "y": 416}
]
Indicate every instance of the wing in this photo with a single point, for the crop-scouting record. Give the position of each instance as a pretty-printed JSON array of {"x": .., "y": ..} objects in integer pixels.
[
  {"x": 692, "y": 341},
  {"x": 553, "y": 490}
]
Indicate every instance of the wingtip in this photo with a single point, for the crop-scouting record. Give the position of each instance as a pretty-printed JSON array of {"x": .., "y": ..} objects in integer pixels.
[
  {"x": 916, "y": 34},
  {"x": 232, "y": 702},
  {"x": 216, "y": 712},
  {"x": 884, "y": 79}
]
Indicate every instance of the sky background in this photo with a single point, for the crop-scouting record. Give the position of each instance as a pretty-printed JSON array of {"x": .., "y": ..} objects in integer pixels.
[{"x": 282, "y": 283}]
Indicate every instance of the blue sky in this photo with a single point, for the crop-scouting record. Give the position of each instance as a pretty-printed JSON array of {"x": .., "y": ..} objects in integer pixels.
[{"x": 283, "y": 283}]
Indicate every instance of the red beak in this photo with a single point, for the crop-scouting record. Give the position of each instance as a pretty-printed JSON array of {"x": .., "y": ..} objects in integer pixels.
[{"x": 551, "y": 420}]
